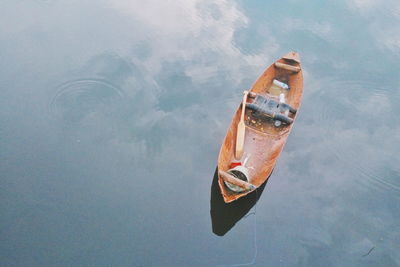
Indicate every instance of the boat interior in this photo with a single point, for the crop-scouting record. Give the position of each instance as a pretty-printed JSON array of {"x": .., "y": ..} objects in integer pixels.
[{"x": 261, "y": 119}]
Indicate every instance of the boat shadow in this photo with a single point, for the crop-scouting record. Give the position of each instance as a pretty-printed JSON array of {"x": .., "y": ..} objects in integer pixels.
[{"x": 225, "y": 215}]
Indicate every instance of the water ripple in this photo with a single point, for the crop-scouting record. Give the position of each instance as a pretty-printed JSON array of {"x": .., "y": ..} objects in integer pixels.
[
  {"x": 78, "y": 98},
  {"x": 360, "y": 121}
]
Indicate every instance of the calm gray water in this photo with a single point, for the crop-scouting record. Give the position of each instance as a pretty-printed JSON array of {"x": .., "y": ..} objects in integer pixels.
[{"x": 113, "y": 112}]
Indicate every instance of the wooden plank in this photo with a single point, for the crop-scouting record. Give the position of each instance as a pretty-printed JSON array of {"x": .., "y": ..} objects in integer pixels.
[{"x": 287, "y": 67}]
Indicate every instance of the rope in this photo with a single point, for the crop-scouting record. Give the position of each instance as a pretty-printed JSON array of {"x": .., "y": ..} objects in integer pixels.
[{"x": 253, "y": 261}]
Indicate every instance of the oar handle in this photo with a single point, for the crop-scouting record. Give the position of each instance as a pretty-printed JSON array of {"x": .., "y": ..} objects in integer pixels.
[
  {"x": 252, "y": 95},
  {"x": 245, "y": 94}
]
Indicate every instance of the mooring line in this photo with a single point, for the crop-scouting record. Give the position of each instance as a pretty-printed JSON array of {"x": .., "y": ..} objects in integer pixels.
[{"x": 253, "y": 261}]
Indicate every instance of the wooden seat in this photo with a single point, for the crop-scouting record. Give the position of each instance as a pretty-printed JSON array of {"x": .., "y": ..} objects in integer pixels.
[{"x": 287, "y": 67}]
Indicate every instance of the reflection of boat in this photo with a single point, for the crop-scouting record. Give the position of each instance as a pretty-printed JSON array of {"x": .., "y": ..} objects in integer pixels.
[
  {"x": 257, "y": 135},
  {"x": 225, "y": 215}
]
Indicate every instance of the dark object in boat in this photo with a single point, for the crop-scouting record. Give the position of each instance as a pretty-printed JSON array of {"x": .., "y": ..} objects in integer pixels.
[
  {"x": 225, "y": 215},
  {"x": 269, "y": 113},
  {"x": 271, "y": 104}
]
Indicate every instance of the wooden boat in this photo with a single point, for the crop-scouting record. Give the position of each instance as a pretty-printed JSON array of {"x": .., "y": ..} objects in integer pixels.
[{"x": 255, "y": 139}]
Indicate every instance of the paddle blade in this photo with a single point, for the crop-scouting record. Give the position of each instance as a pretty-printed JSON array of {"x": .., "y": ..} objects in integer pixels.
[{"x": 240, "y": 140}]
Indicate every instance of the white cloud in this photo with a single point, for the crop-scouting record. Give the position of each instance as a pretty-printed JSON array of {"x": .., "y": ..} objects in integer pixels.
[
  {"x": 322, "y": 29},
  {"x": 363, "y": 4},
  {"x": 187, "y": 29},
  {"x": 388, "y": 37},
  {"x": 383, "y": 21}
]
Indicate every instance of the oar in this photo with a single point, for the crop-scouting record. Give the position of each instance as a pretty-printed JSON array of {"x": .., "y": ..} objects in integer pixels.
[{"x": 241, "y": 129}]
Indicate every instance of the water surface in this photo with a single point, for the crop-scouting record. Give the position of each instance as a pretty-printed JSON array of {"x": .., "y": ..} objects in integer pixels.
[{"x": 112, "y": 115}]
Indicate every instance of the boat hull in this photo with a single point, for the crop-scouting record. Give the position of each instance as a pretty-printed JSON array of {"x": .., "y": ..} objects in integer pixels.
[{"x": 263, "y": 141}]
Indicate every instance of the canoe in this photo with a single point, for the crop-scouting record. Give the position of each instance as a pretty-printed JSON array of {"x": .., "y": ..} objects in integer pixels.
[{"x": 258, "y": 132}]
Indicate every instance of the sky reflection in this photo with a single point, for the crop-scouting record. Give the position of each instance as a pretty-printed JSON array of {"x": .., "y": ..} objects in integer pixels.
[{"x": 113, "y": 112}]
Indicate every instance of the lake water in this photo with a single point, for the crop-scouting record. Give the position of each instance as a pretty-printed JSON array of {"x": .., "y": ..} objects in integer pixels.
[{"x": 113, "y": 112}]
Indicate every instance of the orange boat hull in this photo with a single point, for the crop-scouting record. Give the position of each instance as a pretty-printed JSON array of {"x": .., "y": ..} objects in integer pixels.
[{"x": 263, "y": 142}]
